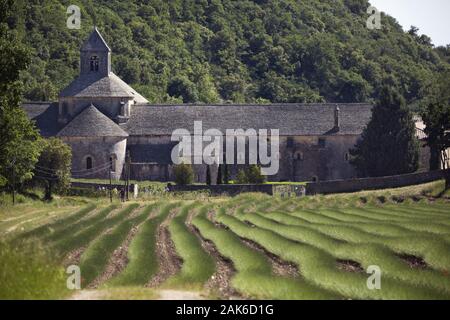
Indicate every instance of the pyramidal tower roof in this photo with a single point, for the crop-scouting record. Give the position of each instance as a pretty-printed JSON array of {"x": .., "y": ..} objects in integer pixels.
[
  {"x": 92, "y": 123},
  {"x": 95, "y": 42}
]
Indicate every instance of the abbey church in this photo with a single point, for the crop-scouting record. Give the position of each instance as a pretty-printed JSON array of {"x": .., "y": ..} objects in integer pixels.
[{"x": 105, "y": 121}]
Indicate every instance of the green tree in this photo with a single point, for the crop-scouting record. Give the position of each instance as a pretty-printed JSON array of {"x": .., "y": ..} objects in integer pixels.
[
  {"x": 388, "y": 145},
  {"x": 53, "y": 170},
  {"x": 253, "y": 174},
  {"x": 184, "y": 174},
  {"x": 436, "y": 117},
  {"x": 220, "y": 174},
  {"x": 241, "y": 177},
  {"x": 250, "y": 175},
  {"x": 208, "y": 175},
  {"x": 19, "y": 139}
]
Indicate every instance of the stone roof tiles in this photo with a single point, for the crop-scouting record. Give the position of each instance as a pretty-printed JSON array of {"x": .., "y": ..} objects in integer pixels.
[
  {"x": 92, "y": 123},
  {"x": 93, "y": 85},
  {"x": 290, "y": 119},
  {"x": 95, "y": 42}
]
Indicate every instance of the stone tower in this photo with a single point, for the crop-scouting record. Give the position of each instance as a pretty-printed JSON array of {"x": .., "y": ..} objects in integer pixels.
[
  {"x": 97, "y": 85},
  {"x": 95, "y": 56}
]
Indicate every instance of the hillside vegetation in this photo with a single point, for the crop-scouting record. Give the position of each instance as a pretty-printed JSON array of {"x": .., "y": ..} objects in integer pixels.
[{"x": 230, "y": 50}]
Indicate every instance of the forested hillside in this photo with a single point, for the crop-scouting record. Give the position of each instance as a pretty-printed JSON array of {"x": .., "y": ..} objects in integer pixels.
[{"x": 230, "y": 50}]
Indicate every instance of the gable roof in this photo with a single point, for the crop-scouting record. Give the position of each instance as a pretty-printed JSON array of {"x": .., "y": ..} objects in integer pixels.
[
  {"x": 290, "y": 119},
  {"x": 95, "y": 42},
  {"x": 92, "y": 123},
  {"x": 93, "y": 85}
]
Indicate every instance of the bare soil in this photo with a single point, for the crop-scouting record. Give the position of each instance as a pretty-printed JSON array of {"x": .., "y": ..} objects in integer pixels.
[
  {"x": 413, "y": 262},
  {"x": 168, "y": 260},
  {"x": 117, "y": 262},
  {"x": 279, "y": 266},
  {"x": 220, "y": 281},
  {"x": 349, "y": 266}
]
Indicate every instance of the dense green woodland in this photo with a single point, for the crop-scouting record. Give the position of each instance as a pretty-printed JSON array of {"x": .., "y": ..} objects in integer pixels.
[{"x": 230, "y": 50}]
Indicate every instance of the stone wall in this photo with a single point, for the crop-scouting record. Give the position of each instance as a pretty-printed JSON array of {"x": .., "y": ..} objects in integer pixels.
[
  {"x": 236, "y": 189},
  {"x": 99, "y": 150},
  {"x": 355, "y": 185},
  {"x": 304, "y": 159}
]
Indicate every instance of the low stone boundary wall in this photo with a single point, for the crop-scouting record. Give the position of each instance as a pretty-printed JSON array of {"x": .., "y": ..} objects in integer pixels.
[
  {"x": 133, "y": 188},
  {"x": 235, "y": 189},
  {"x": 355, "y": 185}
]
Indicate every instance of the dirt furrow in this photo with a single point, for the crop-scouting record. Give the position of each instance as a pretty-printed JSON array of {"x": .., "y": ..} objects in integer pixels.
[
  {"x": 119, "y": 259},
  {"x": 220, "y": 281},
  {"x": 74, "y": 256},
  {"x": 168, "y": 260},
  {"x": 117, "y": 262},
  {"x": 279, "y": 266}
]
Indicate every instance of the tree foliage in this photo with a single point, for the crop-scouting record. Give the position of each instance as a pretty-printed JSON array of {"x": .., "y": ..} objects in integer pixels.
[
  {"x": 53, "y": 169},
  {"x": 250, "y": 175},
  {"x": 229, "y": 50},
  {"x": 436, "y": 116},
  {"x": 184, "y": 174},
  {"x": 19, "y": 139},
  {"x": 388, "y": 146}
]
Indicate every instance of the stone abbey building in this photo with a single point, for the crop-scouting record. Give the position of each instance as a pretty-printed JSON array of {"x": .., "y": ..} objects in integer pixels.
[{"x": 103, "y": 119}]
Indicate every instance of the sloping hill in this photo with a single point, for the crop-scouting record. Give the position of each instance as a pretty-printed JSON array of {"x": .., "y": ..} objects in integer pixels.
[{"x": 230, "y": 50}]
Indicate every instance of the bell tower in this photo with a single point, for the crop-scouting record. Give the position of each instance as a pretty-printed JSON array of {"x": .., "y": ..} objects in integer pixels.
[{"x": 95, "y": 56}]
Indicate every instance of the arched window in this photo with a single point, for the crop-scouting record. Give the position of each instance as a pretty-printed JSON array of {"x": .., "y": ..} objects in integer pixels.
[
  {"x": 94, "y": 63},
  {"x": 298, "y": 156},
  {"x": 88, "y": 163},
  {"x": 112, "y": 161}
]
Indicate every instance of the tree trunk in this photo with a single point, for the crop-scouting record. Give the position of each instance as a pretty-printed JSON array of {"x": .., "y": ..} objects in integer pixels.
[
  {"x": 48, "y": 191},
  {"x": 435, "y": 158},
  {"x": 447, "y": 179}
]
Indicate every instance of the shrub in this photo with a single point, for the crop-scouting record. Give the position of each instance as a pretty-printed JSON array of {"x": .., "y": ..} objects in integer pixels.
[
  {"x": 184, "y": 174},
  {"x": 241, "y": 177},
  {"x": 251, "y": 175}
]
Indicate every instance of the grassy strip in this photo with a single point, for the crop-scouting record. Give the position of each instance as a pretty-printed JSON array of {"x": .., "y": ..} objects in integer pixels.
[
  {"x": 30, "y": 273},
  {"x": 254, "y": 274},
  {"x": 143, "y": 263},
  {"x": 84, "y": 237},
  {"x": 198, "y": 266},
  {"x": 331, "y": 218},
  {"x": 80, "y": 225},
  {"x": 96, "y": 257},
  {"x": 367, "y": 254},
  {"x": 433, "y": 248},
  {"x": 320, "y": 268},
  {"x": 58, "y": 224},
  {"x": 12, "y": 229}
]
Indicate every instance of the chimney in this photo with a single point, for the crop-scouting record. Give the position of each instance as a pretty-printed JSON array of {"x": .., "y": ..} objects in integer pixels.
[{"x": 337, "y": 123}]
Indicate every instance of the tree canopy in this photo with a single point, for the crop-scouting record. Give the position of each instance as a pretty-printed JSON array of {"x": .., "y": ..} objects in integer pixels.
[
  {"x": 53, "y": 169},
  {"x": 436, "y": 116},
  {"x": 230, "y": 50},
  {"x": 388, "y": 146},
  {"x": 19, "y": 139}
]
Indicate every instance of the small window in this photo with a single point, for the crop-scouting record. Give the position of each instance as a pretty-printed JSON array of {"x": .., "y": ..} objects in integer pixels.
[
  {"x": 112, "y": 161},
  {"x": 347, "y": 156},
  {"x": 298, "y": 156},
  {"x": 315, "y": 179},
  {"x": 88, "y": 163},
  {"x": 94, "y": 63},
  {"x": 290, "y": 142},
  {"x": 322, "y": 142}
]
